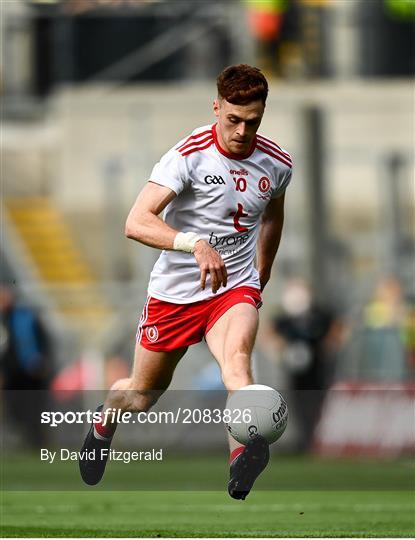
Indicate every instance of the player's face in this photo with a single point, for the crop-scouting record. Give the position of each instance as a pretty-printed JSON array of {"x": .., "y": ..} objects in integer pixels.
[{"x": 237, "y": 124}]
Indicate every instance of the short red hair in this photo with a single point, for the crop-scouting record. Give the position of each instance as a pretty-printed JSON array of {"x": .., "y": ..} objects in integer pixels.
[{"x": 242, "y": 84}]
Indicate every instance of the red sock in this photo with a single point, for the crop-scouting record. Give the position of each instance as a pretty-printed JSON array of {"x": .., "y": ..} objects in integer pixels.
[
  {"x": 235, "y": 453},
  {"x": 107, "y": 431}
]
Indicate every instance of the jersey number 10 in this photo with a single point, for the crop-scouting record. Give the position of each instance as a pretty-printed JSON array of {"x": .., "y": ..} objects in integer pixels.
[{"x": 240, "y": 184}]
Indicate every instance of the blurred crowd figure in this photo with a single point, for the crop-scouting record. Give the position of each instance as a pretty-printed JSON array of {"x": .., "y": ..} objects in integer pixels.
[
  {"x": 317, "y": 347},
  {"x": 409, "y": 335},
  {"x": 381, "y": 347},
  {"x": 292, "y": 37},
  {"x": 25, "y": 366},
  {"x": 309, "y": 336},
  {"x": 289, "y": 36}
]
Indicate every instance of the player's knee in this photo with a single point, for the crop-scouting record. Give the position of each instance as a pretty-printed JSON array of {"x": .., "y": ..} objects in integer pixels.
[
  {"x": 143, "y": 400},
  {"x": 133, "y": 400}
]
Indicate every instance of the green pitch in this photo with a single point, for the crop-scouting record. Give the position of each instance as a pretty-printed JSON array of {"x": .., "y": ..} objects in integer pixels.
[
  {"x": 207, "y": 514},
  {"x": 384, "y": 505}
]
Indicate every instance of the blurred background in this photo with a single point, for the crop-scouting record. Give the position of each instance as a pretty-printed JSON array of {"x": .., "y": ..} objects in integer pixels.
[{"x": 94, "y": 92}]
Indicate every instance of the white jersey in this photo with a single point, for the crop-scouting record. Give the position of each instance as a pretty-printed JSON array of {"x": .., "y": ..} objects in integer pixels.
[{"x": 221, "y": 198}]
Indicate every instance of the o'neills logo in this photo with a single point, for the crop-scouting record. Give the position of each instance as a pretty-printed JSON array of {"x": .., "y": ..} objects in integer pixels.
[
  {"x": 152, "y": 333},
  {"x": 242, "y": 172}
]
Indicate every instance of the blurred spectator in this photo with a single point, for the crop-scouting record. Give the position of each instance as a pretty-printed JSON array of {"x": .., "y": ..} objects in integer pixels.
[
  {"x": 386, "y": 309},
  {"x": 380, "y": 343},
  {"x": 388, "y": 38},
  {"x": 265, "y": 20},
  {"x": 290, "y": 36},
  {"x": 25, "y": 365},
  {"x": 309, "y": 337},
  {"x": 409, "y": 335}
]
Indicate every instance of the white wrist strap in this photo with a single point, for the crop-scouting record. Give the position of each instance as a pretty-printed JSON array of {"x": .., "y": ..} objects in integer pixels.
[{"x": 185, "y": 241}]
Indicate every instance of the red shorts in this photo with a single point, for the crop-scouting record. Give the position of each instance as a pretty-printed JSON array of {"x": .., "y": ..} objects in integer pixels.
[{"x": 165, "y": 326}]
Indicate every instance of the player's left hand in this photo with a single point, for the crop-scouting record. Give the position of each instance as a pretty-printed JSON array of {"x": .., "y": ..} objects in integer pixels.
[{"x": 210, "y": 262}]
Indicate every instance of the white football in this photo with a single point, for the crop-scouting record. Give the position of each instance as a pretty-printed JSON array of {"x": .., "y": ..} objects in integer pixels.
[{"x": 256, "y": 410}]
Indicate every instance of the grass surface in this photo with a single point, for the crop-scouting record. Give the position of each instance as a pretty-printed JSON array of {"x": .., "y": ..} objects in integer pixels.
[
  {"x": 295, "y": 497},
  {"x": 22, "y": 472},
  {"x": 208, "y": 514}
]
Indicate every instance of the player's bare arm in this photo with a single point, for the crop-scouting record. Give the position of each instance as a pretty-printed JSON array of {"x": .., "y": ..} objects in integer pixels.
[
  {"x": 143, "y": 223},
  {"x": 145, "y": 226},
  {"x": 269, "y": 238}
]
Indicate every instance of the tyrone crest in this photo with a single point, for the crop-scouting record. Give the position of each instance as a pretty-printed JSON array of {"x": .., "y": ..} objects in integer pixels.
[{"x": 152, "y": 333}]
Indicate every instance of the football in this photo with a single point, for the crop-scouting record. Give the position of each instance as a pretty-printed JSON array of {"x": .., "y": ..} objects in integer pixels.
[{"x": 256, "y": 410}]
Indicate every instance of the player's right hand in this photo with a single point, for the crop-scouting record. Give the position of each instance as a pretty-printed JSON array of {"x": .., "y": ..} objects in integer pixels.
[{"x": 210, "y": 262}]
